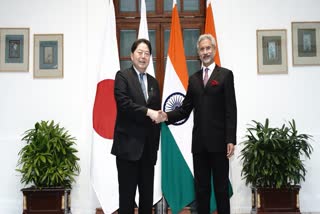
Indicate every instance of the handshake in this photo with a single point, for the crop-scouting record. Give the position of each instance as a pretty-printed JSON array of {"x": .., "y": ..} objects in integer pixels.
[{"x": 157, "y": 116}]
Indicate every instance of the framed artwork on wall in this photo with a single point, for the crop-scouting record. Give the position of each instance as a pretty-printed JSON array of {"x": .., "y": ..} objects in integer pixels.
[
  {"x": 48, "y": 56},
  {"x": 14, "y": 49},
  {"x": 272, "y": 51},
  {"x": 306, "y": 43}
]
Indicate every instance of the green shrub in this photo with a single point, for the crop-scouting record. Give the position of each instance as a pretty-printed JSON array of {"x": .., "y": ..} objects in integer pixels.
[
  {"x": 274, "y": 157},
  {"x": 48, "y": 159}
]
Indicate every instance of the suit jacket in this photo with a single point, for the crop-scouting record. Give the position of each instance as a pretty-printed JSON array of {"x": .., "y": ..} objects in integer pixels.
[
  {"x": 215, "y": 111},
  {"x": 135, "y": 131}
]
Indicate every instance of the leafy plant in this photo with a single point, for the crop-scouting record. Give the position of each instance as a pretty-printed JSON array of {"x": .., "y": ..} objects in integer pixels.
[
  {"x": 48, "y": 159},
  {"x": 272, "y": 157}
]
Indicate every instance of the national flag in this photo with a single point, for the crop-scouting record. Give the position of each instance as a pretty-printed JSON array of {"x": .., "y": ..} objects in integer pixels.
[
  {"x": 143, "y": 33},
  {"x": 177, "y": 165},
  {"x": 210, "y": 29},
  {"x": 103, "y": 165}
]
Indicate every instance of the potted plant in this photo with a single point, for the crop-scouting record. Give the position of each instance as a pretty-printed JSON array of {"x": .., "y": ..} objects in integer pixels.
[
  {"x": 273, "y": 163},
  {"x": 48, "y": 162}
]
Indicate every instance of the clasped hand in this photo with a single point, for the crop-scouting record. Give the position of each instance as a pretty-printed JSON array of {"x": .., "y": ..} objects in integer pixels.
[{"x": 157, "y": 116}]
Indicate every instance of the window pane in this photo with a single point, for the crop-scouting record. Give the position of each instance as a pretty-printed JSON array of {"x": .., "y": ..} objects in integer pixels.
[
  {"x": 193, "y": 66},
  {"x": 166, "y": 42},
  {"x": 191, "y": 5},
  {"x": 127, "y": 6},
  {"x": 190, "y": 37},
  {"x": 125, "y": 64},
  {"x": 127, "y": 37},
  {"x": 152, "y": 38},
  {"x": 167, "y": 6},
  {"x": 155, "y": 67},
  {"x": 150, "y": 5}
]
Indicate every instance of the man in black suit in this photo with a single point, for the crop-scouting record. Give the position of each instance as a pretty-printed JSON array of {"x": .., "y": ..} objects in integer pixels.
[
  {"x": 211, "y": 96},
  {"x": 136, "y": 136}
]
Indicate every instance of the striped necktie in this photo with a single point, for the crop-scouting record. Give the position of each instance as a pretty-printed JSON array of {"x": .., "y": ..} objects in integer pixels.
[
  {"x": 206, "y": 77},
  {"x": 143, "y": 87}
]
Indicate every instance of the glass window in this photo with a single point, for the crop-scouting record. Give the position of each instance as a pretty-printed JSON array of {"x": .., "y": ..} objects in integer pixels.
[
  {"x": 167, "y": 6},
  {"x": 125, "y": 64},
  {"x": 150, "y": 5},
  {"x": 166, "y": 42},
  {"x": 190, "y": 41},
  {"x": 127, "y": 37},
  {"x": 152, "y": 39},
  {"x": 155, "y": 67},
  {"x": 192, "y": 19},
  {"x": 191, "y": 5},
  {"x": 128, "y": 6},
  {"x": 193, "y": 66}
]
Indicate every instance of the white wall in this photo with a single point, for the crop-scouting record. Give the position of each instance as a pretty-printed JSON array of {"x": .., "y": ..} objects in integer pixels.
[{"x": 25, "y": 100}]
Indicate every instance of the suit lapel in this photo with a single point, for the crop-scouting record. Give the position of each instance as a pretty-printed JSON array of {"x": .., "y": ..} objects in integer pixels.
[
  {"x": 150, "y": 88},
  {"x": 136, "y": 82},
  {"x": 214, "y": 75},
  {"x": 199, "y": 77}
]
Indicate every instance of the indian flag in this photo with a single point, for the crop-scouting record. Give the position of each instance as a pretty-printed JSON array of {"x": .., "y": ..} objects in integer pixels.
[
  {"x": 211, "y": 29},
  {"x": 177, "y": 167}
]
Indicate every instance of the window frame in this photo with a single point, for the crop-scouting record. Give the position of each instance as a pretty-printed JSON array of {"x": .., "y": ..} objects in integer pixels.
[{"x": 159, "y": 21}]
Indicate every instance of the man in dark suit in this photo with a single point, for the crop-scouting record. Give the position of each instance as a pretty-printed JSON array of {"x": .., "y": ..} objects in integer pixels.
[
  {"x": 211, "y": 96},
  {"x": 136, "y": 136}
]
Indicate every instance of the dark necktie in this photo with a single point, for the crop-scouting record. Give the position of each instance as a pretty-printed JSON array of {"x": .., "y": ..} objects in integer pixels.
[
  {"x": 143, "y": 87},
  {"x": 206, "y": 77}
]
